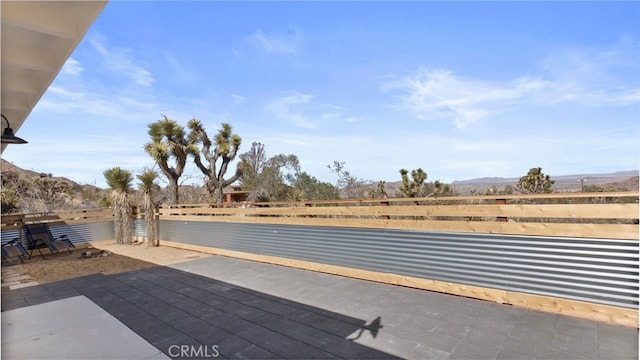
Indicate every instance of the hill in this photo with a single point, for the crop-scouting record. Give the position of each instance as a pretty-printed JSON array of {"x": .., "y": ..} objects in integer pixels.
[
  {"x": 618, "y": 181},
  {"x": 31, "y": 191},
  {"x": 9, "y": 170}
]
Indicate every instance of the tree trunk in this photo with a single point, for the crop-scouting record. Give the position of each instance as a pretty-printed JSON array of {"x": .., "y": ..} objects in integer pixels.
[
  {"x": 219, "y": 195},
  {"x": 173, "y": 191},
  {"x": 125, "y": 219},
  {"x": 211, "y": 189},
  {"x": 122, "y": 220},
  {"x": 150, "y": 219}
]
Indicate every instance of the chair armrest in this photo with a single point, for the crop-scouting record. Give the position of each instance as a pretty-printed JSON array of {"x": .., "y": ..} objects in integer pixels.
[
  {"x": 12, "y": 242},
  {"x": 66, "y": 240},
  {"x": 17, "y": 244}
]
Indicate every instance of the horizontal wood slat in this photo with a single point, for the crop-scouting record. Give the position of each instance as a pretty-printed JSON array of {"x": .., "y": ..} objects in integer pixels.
[
  {"x": 86, "y": 216},
  {"x": 474, "y": 198},
  {"x": 570, "y": 211},
  {"x": 15, "y": 221}
]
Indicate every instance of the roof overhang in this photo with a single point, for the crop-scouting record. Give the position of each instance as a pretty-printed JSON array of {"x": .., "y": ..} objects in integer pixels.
[{"x": 37, "y": 39}]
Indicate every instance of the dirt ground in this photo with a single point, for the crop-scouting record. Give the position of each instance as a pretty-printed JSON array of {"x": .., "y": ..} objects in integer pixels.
[{"x": 119, "y": 258}]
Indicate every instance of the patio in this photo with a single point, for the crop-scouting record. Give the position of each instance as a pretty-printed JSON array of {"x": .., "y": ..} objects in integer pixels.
[{"x": 243, "y": 309}]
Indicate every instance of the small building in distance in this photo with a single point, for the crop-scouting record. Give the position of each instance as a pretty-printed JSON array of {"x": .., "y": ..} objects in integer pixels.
[{"x": 234, "y": 196}]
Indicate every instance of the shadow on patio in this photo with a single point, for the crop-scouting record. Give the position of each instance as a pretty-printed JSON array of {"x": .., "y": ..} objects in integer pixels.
[{"x": 170, "y": 307}]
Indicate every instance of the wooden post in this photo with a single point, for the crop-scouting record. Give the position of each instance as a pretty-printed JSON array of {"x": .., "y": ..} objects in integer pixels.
[
  {"x": 20, "y": 225},
  {"x": 386, "y": 217},
  {"x": 501, "y": 202},
  {"x": 156, "y": 215},
  {"x": 308, "y": 215}
]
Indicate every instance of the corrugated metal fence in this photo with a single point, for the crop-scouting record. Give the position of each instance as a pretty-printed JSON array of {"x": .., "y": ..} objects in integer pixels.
[
  {"x": 77, "y": 233},
  {"x": 593, "y": 270}
]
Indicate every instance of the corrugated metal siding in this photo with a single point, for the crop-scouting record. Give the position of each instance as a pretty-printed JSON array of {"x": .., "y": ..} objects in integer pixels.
[
  {"x": 8, "y": 235},
  {"x": 77, "y": 233},
  {"x": 594, "y": 270},
  {"x": 80, "y": 233},
  {"x": 139, "y": 228}
]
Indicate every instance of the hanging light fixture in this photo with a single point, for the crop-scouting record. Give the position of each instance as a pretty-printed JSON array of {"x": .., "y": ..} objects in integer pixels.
[{"x": 7, "y": 135}]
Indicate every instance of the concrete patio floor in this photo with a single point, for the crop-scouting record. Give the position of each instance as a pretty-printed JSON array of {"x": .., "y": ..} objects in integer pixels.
[{"x": 230, "y": 308}]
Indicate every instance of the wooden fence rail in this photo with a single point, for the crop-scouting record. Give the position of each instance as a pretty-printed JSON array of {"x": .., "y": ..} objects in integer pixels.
[
  {"x": 598, "y": 215},
  {"x": 15, "y": 221}
]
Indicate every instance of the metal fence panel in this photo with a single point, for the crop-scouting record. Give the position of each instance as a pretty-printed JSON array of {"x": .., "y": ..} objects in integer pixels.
[
  {"x": 595, "y": 270},
  {"x": 77, "y": 233},
  {"x": 139, "y": 228}
]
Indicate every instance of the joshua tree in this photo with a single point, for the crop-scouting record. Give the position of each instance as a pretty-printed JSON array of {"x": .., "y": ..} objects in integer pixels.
[
  {"x": 168, "y": 140},
  {"x": 148, "y": 187},
  {"x": 412, "y": 188},
  {"x": 379, "y": 192},
  {"x": 119, "y": 181},
  {"x": 225, "y": 148},
  {"x": 440, "y": 188},
  {"x": 535, "y": 182}
]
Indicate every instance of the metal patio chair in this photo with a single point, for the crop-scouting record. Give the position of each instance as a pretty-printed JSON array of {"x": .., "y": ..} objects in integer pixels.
[
  {"x": 39, "y": 237},
  {"x": 14, "y": 248}
]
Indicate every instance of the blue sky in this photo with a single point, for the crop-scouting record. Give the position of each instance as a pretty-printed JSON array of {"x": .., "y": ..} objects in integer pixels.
[{"x": 460, "y": 89}]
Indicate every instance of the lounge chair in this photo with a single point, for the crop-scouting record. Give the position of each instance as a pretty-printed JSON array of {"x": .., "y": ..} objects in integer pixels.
[
  {"x": 39, "y": 237},
  {"x": 14, "y": 248}
]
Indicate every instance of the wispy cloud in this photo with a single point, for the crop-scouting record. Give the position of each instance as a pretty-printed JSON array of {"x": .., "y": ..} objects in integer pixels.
[
  {"x": 604, "y": 76},
  {"x": 440, "y": 94},
  {"x": 61, "y": 100},
  {"x": 71, "y": 67},
  {"x": 119, "y": 61},
  {"x": 302, "y": 110},
  {"x": 120, "y": 97},
  {"x": 142, "y": 76},
  {"x": 237, "y": 100},
  {"x": 287, "y": 108},
  {"x": 276, "y": 42},
  {"x": 592, "y": 78},
  {"x": 179, "y": 70}
]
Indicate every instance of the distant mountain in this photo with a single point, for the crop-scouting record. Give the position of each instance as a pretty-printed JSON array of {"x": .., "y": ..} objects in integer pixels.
[
  {"x": 615, "y": 175},
  {"x": 620, "y": 180},
  {"x": 607, "y": 176},
  {"x": 486, "y": 180}
]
